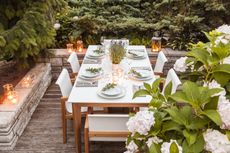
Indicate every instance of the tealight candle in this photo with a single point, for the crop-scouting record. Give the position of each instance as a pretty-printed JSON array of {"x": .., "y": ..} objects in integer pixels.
[
  {"x": 13, "y": 97},
  {"x": 26, "y": 82}
]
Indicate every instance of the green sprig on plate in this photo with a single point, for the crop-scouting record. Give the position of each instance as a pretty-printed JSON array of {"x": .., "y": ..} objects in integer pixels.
[
  {"x": 109, "y": 86},
  {"x": 98, "y": 51},
  {"x": 132, "y": 71},
  {"x": 94, "y": 70},
  {"x": 134, "y": 54}
]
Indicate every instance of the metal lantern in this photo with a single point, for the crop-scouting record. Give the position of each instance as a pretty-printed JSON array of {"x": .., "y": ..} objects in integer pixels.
[{"x": 156, "y": 44}]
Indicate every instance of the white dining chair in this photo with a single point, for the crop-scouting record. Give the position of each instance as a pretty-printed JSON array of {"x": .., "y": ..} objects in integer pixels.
[
  {"x": 159, "y": 65},
  {"x": 172, "y": 76},
  {"x": 65, "y": 85},
  {"x": 74, "y": 63},
  {"x": 108, "y": 42},
  {"x": 105, "y": 127}
]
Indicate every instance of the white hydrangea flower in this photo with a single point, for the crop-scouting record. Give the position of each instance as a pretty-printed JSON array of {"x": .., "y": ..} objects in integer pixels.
[
  {"x": 224, "y": 29},
  {"x": 216, "y": 142},
  {"x": 131, "y": 147},
  {"x": 180, "y": 64},
  {"x": 152, "y": 140},
  {"x": 215, "y": 84},
  {"x": 226, "y": 60},
  {"x": 221, "y": 39},
  {"x": 75, "y": 18},
  {"x": 165, "y": 147},
  {"x": 223, "y": 110},
  {"x": 57, "y": 26},
  {"x": 141, "y": 122}
]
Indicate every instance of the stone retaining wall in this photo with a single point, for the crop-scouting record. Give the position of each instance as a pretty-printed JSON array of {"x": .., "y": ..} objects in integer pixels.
[
  {"x": 15, "y": 117},
  {"x": 59, "y": 59}
]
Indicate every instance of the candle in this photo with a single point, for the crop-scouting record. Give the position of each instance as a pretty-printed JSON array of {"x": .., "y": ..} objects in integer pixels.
[
  {"x": 13, "y": 97},
  {"x": 80, "y": 46},
  {"x": 156, "y": 44},
  {"x": 26, "y": 82},
  {"x": 69, "y": 47}
]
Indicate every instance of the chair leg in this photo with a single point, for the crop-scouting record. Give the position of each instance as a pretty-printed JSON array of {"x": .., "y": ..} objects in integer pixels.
[
  {"x": 64, "y": 130},
  {"x": 64, "y": 121},
  {"x": 86, "y": 137}
]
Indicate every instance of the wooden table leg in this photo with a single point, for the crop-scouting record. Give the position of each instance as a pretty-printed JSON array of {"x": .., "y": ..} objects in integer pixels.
[{"x": 77, "y": 126}]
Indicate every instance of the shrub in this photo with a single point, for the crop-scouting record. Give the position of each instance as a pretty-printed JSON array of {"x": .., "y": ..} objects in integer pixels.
[{"x": 137, "y": 20}]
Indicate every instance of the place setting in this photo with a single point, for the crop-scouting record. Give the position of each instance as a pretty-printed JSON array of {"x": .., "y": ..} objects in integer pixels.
[
  {"x": 140, "y": 74},
  {"x": 91, "y": 73},
  {"x": 98, "y": 53},
  {"x": 111, "y": 91},
  {"x": 135, "y": 54}
]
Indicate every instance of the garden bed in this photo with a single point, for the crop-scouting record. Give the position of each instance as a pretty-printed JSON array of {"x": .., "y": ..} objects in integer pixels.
[{"x": 15, "y": 117}]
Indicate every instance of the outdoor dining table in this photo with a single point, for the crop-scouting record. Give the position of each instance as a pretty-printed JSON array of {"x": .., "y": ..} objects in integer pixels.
[{"x": 88, "y": 97}]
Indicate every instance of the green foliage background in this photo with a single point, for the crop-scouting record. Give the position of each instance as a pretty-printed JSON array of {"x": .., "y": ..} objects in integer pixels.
[
  {"x": 137, "y": 20},
  {"x": 26, "y": 28}
]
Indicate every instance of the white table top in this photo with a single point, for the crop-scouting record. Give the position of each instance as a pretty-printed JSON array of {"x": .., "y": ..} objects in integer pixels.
[{"x": 89, "y": 94}]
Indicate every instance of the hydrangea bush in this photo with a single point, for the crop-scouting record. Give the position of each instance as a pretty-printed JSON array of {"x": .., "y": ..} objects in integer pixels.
[{"x": 196, "y": 118}]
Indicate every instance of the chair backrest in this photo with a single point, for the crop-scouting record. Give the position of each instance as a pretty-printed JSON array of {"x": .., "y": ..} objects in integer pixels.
[
  {"x": 74, "y": 62},
  {"x": 161, "y": 59},
  {"x": 108, "y": 122},
  {"x": 108, "y": 42},
  {"x": 172, "y": 76},
  {"x": 65, "y": 85}
]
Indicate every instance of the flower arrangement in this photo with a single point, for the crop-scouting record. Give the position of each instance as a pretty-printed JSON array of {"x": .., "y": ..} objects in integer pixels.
[
  {"x": 194, "y": 119},
  {"x": 117, "y": 52}
]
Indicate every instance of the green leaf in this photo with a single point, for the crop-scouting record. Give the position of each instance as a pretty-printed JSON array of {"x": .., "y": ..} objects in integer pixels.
[
  {"x": 190, "y": 137},
  {"x": 168, "y": 89},
  {"x": 197, "y": 147},
  {"x": 177, "y": 116},
  {"x": 174, "y": 148},
  {"x": 156, "y": 83},
  {"x": 2, "y": 41},
  {"x": 141, "y": 92},
  {"x": 155, "y": 148},
  {"x": 147, "y": 86},
  {"x": 171, "y": 126},
  {"x": 214, "y": 116}
]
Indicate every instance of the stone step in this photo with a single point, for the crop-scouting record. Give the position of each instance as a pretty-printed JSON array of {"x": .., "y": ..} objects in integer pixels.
[{"x": 52, "y": 95}]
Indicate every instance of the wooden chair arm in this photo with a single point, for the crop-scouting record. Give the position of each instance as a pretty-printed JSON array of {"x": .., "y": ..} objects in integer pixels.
[
  {"x": 161, "y": 74},
  {"x": 153, "y": 62},
  {"x": 86, "y": 122}
]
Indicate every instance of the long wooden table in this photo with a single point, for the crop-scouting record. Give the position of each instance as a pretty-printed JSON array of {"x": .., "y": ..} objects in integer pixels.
[{"x": 87, "y": 96}]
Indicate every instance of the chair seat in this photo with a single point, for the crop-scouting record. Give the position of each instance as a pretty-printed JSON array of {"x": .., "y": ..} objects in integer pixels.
[{"x": 112, "y": 139}]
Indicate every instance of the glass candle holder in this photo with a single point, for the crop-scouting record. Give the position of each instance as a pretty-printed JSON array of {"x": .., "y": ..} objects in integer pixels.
[
  {"x": 156, "y": 44},
  {"x": 7, "y": 88},
  {"x": 27, "y": 81},
  {"x": 69, "y": 47},
  {"x": 80, "y": 46},
  {"x": 12, "y": 97}
]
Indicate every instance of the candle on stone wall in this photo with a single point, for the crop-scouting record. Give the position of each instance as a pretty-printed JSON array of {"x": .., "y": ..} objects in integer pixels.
[
  {"x": 80, "y": 46},
  {"x": 156, "y": 44},
  {"x": 69, "y": 47}
]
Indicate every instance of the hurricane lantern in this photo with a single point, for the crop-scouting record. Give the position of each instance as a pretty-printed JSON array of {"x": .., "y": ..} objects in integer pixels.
[{"x": 156, "y": 44}]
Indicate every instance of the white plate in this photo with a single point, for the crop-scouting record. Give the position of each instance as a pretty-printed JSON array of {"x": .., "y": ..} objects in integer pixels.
[
  {"x": 88, "y": 74},
  {"x": 144, "y": 74},
  {"x": 99, "y": 93},
  {"x": 117, "y": 90},
  {"x": 140, "y": 55},
  {"x": 93, "y": 54}
]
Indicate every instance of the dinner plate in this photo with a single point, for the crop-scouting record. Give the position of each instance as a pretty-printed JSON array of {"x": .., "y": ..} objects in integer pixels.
[
  {"x": 117, "y": 90},
  {"x": 88, "y": 74},
  {"x": 123, "y": 92},
  {"x": 95, "y": 55},
  {"x": 135, "y": 55},
  {"x": 144, "y": 74}
]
